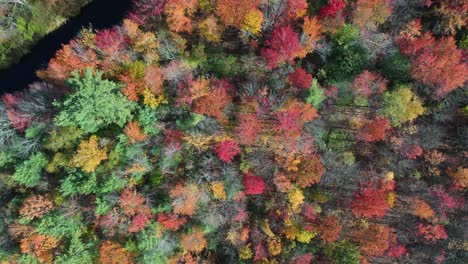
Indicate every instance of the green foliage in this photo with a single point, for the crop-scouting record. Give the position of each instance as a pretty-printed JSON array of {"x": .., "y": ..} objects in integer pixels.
[
  {"x": 77, "y": 182},
  {"x": 222, "y": 65},
  {"x": 59, "y": 226},
  {"x": 343, "y": 252},
  {"x": 96, "y": 103},
  {"x": 78, "y": 252},
  {"x": 63, "y": 138},
  {"x": 401, "y": 105},
  {"x": 153, "y": 249},
  {"x": 316, "y": 94},
  {"x": 28, "y": 259},
  {"x": 396, "y": 67},
  {"x": 6, "y": 158},
  {"x": 29, "y": 172},
  {"x": 148, "y": 120},
  {"x": 349, "y": 56}
]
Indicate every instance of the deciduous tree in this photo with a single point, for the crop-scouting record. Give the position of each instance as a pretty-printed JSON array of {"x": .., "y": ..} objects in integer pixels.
[{"x": 89, "y": 155}]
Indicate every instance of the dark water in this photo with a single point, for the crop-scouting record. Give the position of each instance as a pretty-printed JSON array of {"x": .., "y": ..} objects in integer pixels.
[{"x": 100, "y": 14}]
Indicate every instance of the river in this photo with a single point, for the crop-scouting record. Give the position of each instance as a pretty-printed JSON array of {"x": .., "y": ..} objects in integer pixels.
[{"x": 100, "y": 14}]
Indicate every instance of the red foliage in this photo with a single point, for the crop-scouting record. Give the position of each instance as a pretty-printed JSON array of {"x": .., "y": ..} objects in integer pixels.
[
  {"x": 109, "y": 41},
  {"x": 374, "y": 130},
  {"x": 295, "y": 9},
  {"x": 139, "y": 222},
  {"x": 178, "y": 14},
  {"x": 396, "y": 251},
  {"x": 432, "y": 233},
  {"x": 145, "y": 9},
  {"x": 375, "y": 239},
  {"x": 302, "y": 259},
  {"x": 436, "y": 63},
  {"x": 17, "y": 120},
  {"x": 233, "y": 12},
  {"x": 227, "y": 150},
  {"x": 370, "y": 202},
  {"x": 292, "y": 117},
  {"x": 368, "y": 83},
  {"x": 253, "y": 184},
  {"x": 329, "y": 229},
  {"x": 67, "y": 60},
  {"x": 282, "y": 47},
  {"x": 332, "y": 8},
  {"x": 300, "y": 79},
  {"x": 171, "y": 221},
  {"x": 260, "y": 252},
  {"x": 412, "y": 152},
  {"x": 248, "y": 128},
  {"x": 213, "y": 104}
]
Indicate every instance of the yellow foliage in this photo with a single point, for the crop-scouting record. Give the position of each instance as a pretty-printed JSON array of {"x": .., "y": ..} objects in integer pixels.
[
  {"x": 274, "y": 247},
  {"x": 253, "y": 21},
  {"x": 296, "y": 198},
  {"x": 390, "y": 175},
  {"x": 89, "y": 155},
  {"x": 218, "y": 190},
  {"x": 200, "y": 142},
  {"x": 266, "y": 229},
  {"x": 245, "y": 252},
  {"x": 305, "y": 236},
  {"x": 153, "y": 100},
  {"x": 391, "y": 199},
  {"x": 211, "y": 29}
]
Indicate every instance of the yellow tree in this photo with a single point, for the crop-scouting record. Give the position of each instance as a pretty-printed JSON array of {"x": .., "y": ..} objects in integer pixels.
[{"x": 89, "y": 155}]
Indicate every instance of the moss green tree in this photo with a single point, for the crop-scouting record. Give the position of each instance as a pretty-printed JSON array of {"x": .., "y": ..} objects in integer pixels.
[
  {"x": 401, "y": 105},
  {"x": 29, "y": 172},
  {"x": 95, "y": 103}
]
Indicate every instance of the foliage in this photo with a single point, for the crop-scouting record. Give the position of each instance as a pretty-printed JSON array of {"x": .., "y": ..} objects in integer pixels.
[
  {"x": 401, "y": 105},
  {"x": 89, "y": 155},
  {"x": 29, "y": 172},
  {"x": 94, "y": 104},
  {"x": 35, "y": 206},
  {"x": 282, "y": 47}
]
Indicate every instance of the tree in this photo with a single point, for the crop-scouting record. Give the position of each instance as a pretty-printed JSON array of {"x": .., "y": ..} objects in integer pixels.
[
  {"x": 300, "y": 79},
  {"x": 194, "y": 241},
  {"x": 253, "y": 184},
  {"x": 343, "y": 252},
  {"x": 253, "y": 22},
  {"x": 332, "y": 8},
  {"x": 113, "y": 253},
  {"x": 401, "y": 105},
  {"x": 171, "y": 221},
  {"x": 133, "y": 131},
  {"x": 374, "y": 130},
  {"x": 368, "y": 83},
  {"x": 431, "y": 233},
  {"x": 89, "y": 155},
  {"x": 437, "y": 63},
  {"x": 282, "y": 47},
  {"x": 110, "y": 41},
  {"x": 94, "y": 104},
  {"x": 178, "y": 14},
  {"x": 213, "y": 104},
  {"x": 35, "y": 206},
  {"x": 375, "y": 239},
  {"x": 184, "y": 199},
  {"x": 460, "y": 177},
  {"x": 295, "y": 9},
  {"x": 227, "y": 150},
  {"x": 311, "y": 34},
  {"x": 371, "y": 13},
  {"x": 42, "y": 246},
  {"x": 66, "y": 61},
  {"x": 234, "y": 12},
  {"x": 211, "y": 29},
  {"x": 329, "y": 229},
  {"x": 248, "y": 128},
  {"x": 29, "y": 172},
  {"x": 370, "y": 202}
]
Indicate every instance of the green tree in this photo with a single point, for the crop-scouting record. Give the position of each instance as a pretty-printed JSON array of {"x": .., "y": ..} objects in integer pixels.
[
  {"x": 316, "y": 94},
  {"x": 29, "y": 172},
  {"x": 401, "y": 105},
  {"x": 343, "y": 252},
  {"x": 95, "y": 103}
]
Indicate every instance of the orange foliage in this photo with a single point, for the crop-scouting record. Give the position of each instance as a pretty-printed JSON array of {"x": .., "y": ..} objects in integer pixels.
[
  {"x": 67, "y": 60},
  {"x": 184, "y": 199},
  {"x": 114, "y": 253},
  {"x": 421, "y": 209},
  {"x": 36, "y": 206},
  {"x": 193, "y": 242},
  {"x": 178, "y": 14},
  {"x": 233, "y": 12},
  {"x": 311, "y": 29},
  {"x": 133, "y": 132},
  {"x": 248, "y": 128},
  {"x": 304, "y": 170},
  {"x": 41, "y": 245},
  {"x": 213, "y": 104},
  {"x": 329, "y": 229},
  {"x": 460, "y": 177},
  {"x": 371, "y": 13},
  {"x": 375, "y": 239},
  {"x": 154, "y": 79}
]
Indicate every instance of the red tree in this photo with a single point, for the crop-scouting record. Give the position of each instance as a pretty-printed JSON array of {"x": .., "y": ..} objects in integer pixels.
[
  {"x": 368, "y": 83},
  {"x": 253, "y": 184},
  {"x": 437, "y": 63},
  {"x": 282, "y": 47},
  {"x": 432, "y": 233},
  {"x": 332, "y": 8},
  {"x": 370, "y": 202},
  {"x": 374, "y": 130},
  {"x": 227, "y": 150},
  {"x": 248, "y": 128},
  {"x": 109, "y": 41},
  {"x": 300, "y": 79}
]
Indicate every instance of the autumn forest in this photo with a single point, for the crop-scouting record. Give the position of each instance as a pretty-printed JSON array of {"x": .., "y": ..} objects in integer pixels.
[{"x": 239, "y": 131}]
